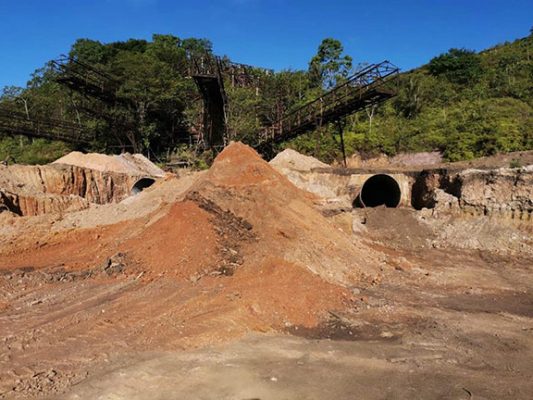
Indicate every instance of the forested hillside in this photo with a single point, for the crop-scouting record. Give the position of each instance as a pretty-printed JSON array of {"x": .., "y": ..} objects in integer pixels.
[{"x": 462, "y": 103}]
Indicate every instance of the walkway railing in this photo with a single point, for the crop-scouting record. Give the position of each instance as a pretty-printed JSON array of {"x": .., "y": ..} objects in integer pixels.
[
  {"x": 366, "y": 87},
  {"x": 17, "y": 123},
  {"x": 85, "y": 78}
]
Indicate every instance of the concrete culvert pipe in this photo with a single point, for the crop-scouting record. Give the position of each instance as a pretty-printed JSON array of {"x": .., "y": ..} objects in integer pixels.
[
  {"x": 379, "y": 190},
  {"x": 141, "y": 184}
]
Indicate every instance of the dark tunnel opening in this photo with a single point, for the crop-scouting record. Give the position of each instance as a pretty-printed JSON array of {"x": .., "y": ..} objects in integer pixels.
[
  {"x": 379, "y": 190},
  {"x": 141, "y": 184}
]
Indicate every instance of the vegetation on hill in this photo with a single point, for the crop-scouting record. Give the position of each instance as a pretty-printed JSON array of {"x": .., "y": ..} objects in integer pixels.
[{"x": 463, "y": 103}]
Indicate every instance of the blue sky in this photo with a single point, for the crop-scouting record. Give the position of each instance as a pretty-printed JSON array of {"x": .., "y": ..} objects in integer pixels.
[{"x": 276, "y": 34}]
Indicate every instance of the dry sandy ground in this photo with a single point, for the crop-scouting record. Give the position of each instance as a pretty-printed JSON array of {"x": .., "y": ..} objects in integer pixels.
[
  {"x": 444, "y": 325},
  {"x": 235, "y": 287}
]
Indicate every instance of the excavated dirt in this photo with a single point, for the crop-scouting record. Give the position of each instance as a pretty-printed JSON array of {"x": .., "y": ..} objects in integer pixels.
[
  {"x": 291, "y": 159},
  {"x": 222, "y": 259},
  {"x": 231, "y": 284}
]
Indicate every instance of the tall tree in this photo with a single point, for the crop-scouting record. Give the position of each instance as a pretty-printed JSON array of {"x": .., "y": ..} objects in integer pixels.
[{"x": 329, "y": 65}]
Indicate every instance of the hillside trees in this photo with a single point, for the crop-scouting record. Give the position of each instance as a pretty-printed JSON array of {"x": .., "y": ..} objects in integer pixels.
[
  {"x": 462, "y": 103},
  {"x": 457, "y": 65}
]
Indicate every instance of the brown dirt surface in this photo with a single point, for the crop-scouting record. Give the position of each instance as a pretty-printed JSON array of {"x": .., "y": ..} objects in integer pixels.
[
  {"x": 182, "y": 242},
  {"x": 213, "y": 263},
  {"x": 156, "y": 298}
]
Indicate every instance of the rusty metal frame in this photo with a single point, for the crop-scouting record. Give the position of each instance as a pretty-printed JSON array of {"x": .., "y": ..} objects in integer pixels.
[
  {"x": 85, "y": 78},
  {"x": 369, "y": 86},
  {"x": 17, "y": 123}
]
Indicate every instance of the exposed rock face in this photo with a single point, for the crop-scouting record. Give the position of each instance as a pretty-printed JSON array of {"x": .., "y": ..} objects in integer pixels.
[
  {"x": 507, "y": 191},
  {"x": 34, "y": 190},
  {"x": 40, "y": 203},
  {"x": 443, "y": 200},
  {"x": 501, "y": 192},
  {"x": 72, "y": 182},
  {"x": 504, "y": 192}
]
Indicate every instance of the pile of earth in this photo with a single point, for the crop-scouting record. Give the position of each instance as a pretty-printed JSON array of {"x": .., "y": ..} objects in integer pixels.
[
  {"x": 126, "y": 163},
  {"x": 291, "y": 159},
  {"x": 240, "y": 226}
]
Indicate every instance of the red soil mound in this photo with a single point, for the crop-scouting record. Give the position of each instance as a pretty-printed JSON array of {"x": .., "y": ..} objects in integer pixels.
[
  {"x": 246, "y": 247},
  {"x": 181, "y": 243},
  {"x": 283, "y": 217},
  {"x": 242, "y": 249},
  {"x": 239, "y": 165}
]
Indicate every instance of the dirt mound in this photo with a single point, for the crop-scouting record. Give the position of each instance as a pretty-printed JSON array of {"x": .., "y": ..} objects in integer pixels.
[
  {"x": 291, "y": 159},
  {"x": 241, "y": 222},
  {"x": 243, "y": 212},
  {"x": 285, "y": 221},
  {"x": 129, "y": 164},
  {"x": 394, "y": 227}
]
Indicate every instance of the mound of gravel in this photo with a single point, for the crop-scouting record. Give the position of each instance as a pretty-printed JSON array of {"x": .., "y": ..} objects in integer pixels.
[
  {"x": 291, "y": 159},
  {"x": 129, "y": 164}
]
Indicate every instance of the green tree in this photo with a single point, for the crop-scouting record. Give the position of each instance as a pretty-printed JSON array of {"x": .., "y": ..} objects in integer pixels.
[
  {"x": 329, "y": 66},
  {"x": 457, "y": 65},
  {"x": 462, "y": 103},
  {"x": 89, "y": 51}
]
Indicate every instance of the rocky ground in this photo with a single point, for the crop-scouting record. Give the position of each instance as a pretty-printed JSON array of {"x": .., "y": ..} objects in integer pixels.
[{"x": 234, "y": 284}]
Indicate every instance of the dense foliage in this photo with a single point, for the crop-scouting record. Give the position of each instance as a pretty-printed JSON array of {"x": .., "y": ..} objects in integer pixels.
[
  {"x": 463, "y": 103},
  {"x": 153, "y": 97}
]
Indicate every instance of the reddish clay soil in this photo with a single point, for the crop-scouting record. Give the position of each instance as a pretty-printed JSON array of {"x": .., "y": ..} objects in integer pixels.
[{"x": 183, "y": 242}]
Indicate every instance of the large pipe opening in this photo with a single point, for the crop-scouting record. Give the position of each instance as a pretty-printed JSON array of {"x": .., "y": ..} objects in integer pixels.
[
  {"x": 379, "y": 190},
  {"x": 141, "y": 184}
]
